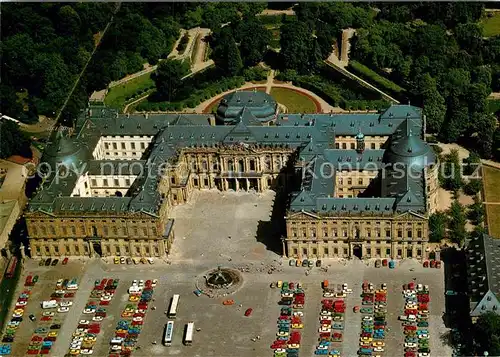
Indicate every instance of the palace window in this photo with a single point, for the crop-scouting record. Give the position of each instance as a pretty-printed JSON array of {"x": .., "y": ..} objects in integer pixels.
[
  {"x": 335, "y": 250},
  {"x": 387, "y": 233},
  {"x": 400, "y": 233},
  {"x": 295, "y": 251},
  {"x": 132, "y": 145},
  {"x": 325, "y": 251},
  {"x": 353, "y": 146},
  {"x": 360, "y": 181},
  {"x": 346, "y": 251},
  {"x": 304, "y": 251},
  {"x": 419, "y": 233},
  {"x": 114, "y": 146},
  {"x": 378, "y": 251},
  {"x": 419, "y": 252},
  {"x": 409, "y": 233},
  {"x": 123, "y": 146},
  {"x": 315, "y": 251},
  {"x": 344, "y": 146},
  {"x": 368, "y": 251}
]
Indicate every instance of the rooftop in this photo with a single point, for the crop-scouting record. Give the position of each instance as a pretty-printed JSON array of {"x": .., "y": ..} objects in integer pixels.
[{"x": 313, "y": 135}]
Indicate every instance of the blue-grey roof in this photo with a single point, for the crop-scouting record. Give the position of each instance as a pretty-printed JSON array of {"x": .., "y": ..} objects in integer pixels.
[{"x": 260, "y": 105}]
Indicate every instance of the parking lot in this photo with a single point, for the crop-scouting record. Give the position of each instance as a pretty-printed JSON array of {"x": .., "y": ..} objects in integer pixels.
[{"x": 203, "y": 228}]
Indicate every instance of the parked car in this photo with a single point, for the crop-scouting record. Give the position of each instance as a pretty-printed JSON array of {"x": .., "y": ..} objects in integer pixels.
[
  {"x": 65, "y": 261},
  {"x": 48, "y": 261},
  {"x": 248, "y": 312},
  {"x": 54, "y": 262}
]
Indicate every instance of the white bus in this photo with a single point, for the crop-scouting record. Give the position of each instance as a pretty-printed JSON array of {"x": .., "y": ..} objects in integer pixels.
[
  {"x": 172, "y": 312},
  {"x": 188, "y": 333},
  {"x": 169, "y": 331}
]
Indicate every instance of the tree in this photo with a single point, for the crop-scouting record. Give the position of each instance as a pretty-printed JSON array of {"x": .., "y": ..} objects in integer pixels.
[
  {"x": 456, "y": 223},
  {"x": 253, "y": 38},
  {"x": 437, "y": 226},
  {"x": 168, "y": 78},
  {"x": 295, "y": 45},
  {"x": 69, "y": 21},
  {"x": 451, "y": 178},
  {"x": 434, "y": 106},
  {"x": 475, "y": 211},
  {"x": 486, "y": 333},
  {"x": 226, "y": 54},
  {"x": 12, "y": 142},
  {"x": 456, "y": 120},
  {"x": 483, "y": 130}
]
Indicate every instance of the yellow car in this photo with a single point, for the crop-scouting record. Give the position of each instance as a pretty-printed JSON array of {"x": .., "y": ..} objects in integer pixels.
[
  {"x": 116, "y": 260},
  {"x": 78, "y": 334},
  {"x": 294, "y": 345},
  {"x": 297, "y": 325},
  {"x": 366, "y": 339},
  {"x": 378, "y": 344},
  {"x": 89, "y": 339},
  {"x": 121, "y": 331},
  {"x": 134, "y": 298},
  {"x": 52, "y": 334},
  {"x": 280, "y": 284},
  {"x": 74, "y": 352}
]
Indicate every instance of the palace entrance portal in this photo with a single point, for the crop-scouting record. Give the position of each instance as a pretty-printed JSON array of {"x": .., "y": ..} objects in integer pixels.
[{"x": 357, "y": 251}]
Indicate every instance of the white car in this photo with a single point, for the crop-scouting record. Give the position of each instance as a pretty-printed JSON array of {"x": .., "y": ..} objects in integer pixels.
[
  {"x": 420, "y": 287},
  {"x": 86, "y": 351},
  {"x": 287, "y": 295},
  {"x": 154, "y": 283},
  {"x": 367, "y": 318},
  {"x": 347, "y": 291},
  {"x": 14, "y": 323},
  {"x": 63, "y": 309},
  {"x": 384, "y": 286},
  {"x": 325, "y": 313},
  {"x": 77, "y": 339},
  {"x": 321, "y": 318},
  {"x": 280, "y": 350},
  {"x": 423, "y": 335},
  {"x": 83, "y": 322},
  {"x": 66, "y": 303},
  {"x": 21, "y": 303},
  {"x": 60, "y": 292},
  {"x": 298, "y": 313},
  {"x": 116, "y": 347},
  {"x": 344, "y": 286},
  {"x": 150, "y": 260},
  {"x": 59, "y": 283},
  {"x": 325, "y": 329},
  {"x": 97, "y": 318},
  {"x": 81, "y": 330},
  {"x": 328, "y": 294},
  {"x": 48, "y": 313},
  {"x": 141, "y": 282},
  {"x": 88, "y": 310},
  {"x": 76, "y": 345},
  {"x": 411, "y": 306},
  {"x": 134, "y": 283},
  {"x": 338, "y": 318},
  {"x": 78, "y": 334},
  {"x": 423, "y": 354},
  {"x": 410, "y": 345},
  {"x": 378, "y": 349},
  {"x": 138, "y": 318},
  {"x": 18, "y": 314},
  {"x": 322, "y": 347},
  {"x": 106, "y": 298}
]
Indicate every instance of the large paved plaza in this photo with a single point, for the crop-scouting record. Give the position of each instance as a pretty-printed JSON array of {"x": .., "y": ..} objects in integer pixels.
[{"x": 229, "y": 229}]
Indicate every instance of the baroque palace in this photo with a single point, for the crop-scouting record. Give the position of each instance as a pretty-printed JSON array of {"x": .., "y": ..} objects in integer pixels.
[{"x": 359, "y": 184}]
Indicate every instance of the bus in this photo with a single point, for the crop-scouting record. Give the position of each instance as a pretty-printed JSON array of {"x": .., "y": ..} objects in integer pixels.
[
  {"x": 172, "y": 312},
  {"x": 169, "y": 331},
  {"x": 188, "y": 333},
  {"x": 11, "y": 268}
]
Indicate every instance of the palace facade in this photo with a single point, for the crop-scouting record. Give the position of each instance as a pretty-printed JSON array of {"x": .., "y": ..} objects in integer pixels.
[{"x": 360, "y": 184}]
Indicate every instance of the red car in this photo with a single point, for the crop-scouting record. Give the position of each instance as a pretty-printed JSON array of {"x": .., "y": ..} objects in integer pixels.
[
  {"x": 46, "y": 318},
  {"x": 104, "y": 303},
  {"x": 139, "y": 314},
  {"x": 324, "y": 335},
  {"x": 142, "y": 306},
  {"x": 410, "y": 328},
  {"x": 135, "y": 323},
  {"x": 410, "y": 354},
  {"x": 28, "y": 281},
  {"x": 36, "y": 338},
  {"x": 33, "y": 352},
  {"x": 65, "y": 261},
  {"x": 411, "y": 311}
]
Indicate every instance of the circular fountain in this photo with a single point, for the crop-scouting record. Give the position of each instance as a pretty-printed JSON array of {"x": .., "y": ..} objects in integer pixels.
[{"x": 220, "y": 281}]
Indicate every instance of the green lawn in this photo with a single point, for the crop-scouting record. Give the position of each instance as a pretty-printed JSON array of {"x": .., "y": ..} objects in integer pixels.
[
  {"x": 117, "y": 96},
  {"x": 374, "y": 77},
  {"x": 494, "y": 105},
  {"x": 491, "y": 25},
  {"x": 491, "y": 177},
  {"x": 294, "y": 101}
]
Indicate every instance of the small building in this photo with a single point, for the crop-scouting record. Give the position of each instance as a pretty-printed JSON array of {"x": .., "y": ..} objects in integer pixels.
[{"x": 483, "y": 270}]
